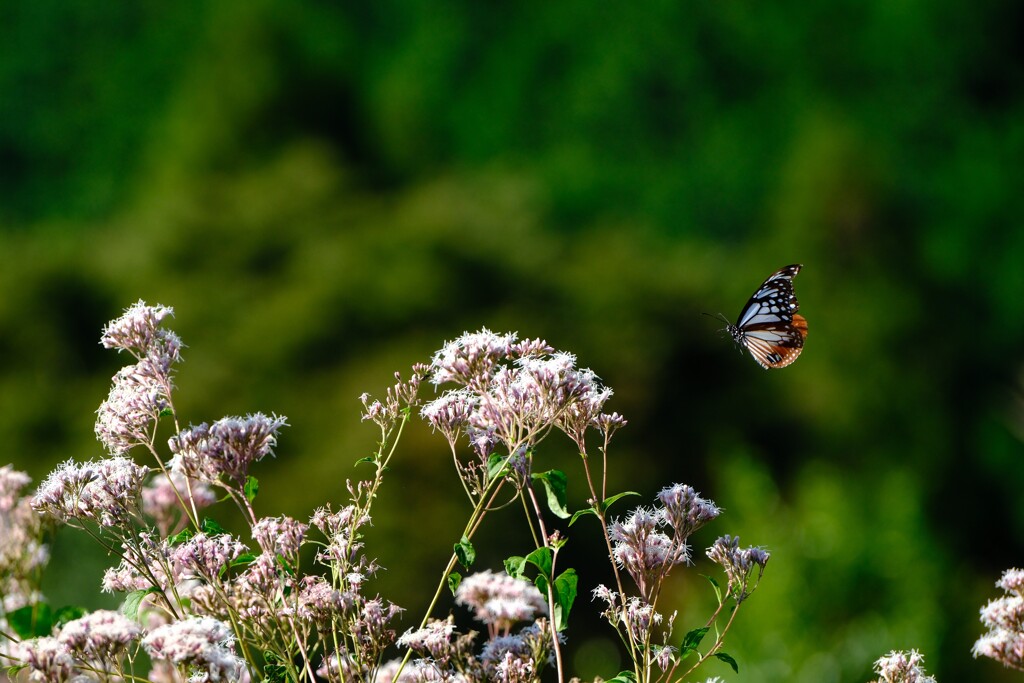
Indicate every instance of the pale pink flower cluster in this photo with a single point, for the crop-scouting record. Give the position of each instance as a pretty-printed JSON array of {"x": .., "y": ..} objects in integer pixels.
[
  {"x": 500, "y": 600},
  {"x": 902, "y": 667},
  {"x": 227, "y": 448},
  {"x": 46, "y": 659},
  {"x": 507, "y": 657},
  {"x": 22, "y": 551},
  {"x": 280, "y": 535},
  {"x": 206, "y": 557},
  {"x": 100, "y": 638},
  {"x": 634, "y": 614},
  {"x": 1004, "y": 619},
  {"x": 512, "y": 392},
  {"x": 738, "y": 564},
  {"x": 205, "y": 645},
  {"x": 104, "y": 492},
  {"x": 399, "y": 399},
  {"x": 140, "y": 392}
]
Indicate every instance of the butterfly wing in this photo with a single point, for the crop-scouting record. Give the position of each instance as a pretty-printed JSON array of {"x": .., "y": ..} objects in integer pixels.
[{"x": 769, "y": 326}]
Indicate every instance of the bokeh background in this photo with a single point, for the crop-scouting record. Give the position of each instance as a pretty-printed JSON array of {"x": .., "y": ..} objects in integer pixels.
[{"x": 326, "y": 192}]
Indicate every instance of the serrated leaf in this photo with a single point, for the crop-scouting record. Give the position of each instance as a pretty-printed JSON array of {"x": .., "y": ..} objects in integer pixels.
[
  {"x": 728, "y": 660},
  {"x": 130, "y": 606},
  {"x": 565, "y": 596},
  {"x": 211, "y": 527},
  {"x": 541, "y": 558},
  {"x": 623, "y": 677},
  {"x": 32, "y": 621},
  {"x": 555, "y": 482},
  {"x": 454, "y": 579},
  {"x": 465, "y": 552},
  {"x": 607, "y": 503},
  {"x": 579, "y": 513},
  {"x": 692, "y": 638},
  {"x": 68, "y": 613},
  {"x": 251, "y": 488},
  {"x": 515, "y": 566}
]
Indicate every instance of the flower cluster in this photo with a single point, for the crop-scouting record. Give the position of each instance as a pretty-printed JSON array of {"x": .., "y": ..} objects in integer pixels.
[
  {"x": 104, "y": 492},
  {"x": 168, "y": 497},
  {"x": 205, "y": 646},
  {"x": 23, "y": 554},
  {"x": 1004, "y": 619},
  {"x": 902, "y": 667},
  {"x": 511, "y": 393},
  {"x": 140, "y": 392},
  {"x": 738, "y": 564},
  {"x": 227, "y": 448},
  {"x": 500, "y": 600}
]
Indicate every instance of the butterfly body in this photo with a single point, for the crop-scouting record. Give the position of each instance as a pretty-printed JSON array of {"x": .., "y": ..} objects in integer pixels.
[{"x": 769, "y": 326}]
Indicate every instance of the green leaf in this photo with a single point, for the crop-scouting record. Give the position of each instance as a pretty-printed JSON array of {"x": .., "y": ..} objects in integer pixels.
[
  {"x": 243, "y": 560},
  {"x": 454, "y": 579},
  {"x": 12, "y": 671},
  {"x": 465, "y": 552},
  {"x": 211, "y": 527},
  {"x": 541, "y": 558},
  {"x": 165, "y": 412},
  {"x": 369, "y": 458},
  {"x": 497, "y": 466},
  {"x": 623, "y": 677},
  {"x": 515, "y": 566},
  {"x": 130, "y": 607},
  {"x": 612, "y": 499},
  {"x": 692, "y": 638},
  {"x": 728, "y": 660},
  {"x": 579, "y": 513},
  {"x": 565, "y": 595},
  {"x": 251, "y": 488},
  {"x": 68, "y": 613},
  {"x": 32, "y": 621},
  {"x": 555, "y": 482},
  {"x": 712, "y": 580},
  {"x": 541, "y": 582},
  {"x": 180, "y": 537}
]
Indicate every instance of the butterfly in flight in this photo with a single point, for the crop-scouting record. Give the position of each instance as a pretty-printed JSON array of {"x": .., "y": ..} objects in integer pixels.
[{"x": 768, "y": 326}]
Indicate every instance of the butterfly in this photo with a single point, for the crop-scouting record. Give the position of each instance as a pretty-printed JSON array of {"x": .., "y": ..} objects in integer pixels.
[{"x": 768, "y": 326}]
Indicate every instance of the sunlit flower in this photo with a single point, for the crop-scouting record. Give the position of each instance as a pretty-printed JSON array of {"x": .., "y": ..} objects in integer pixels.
[
  {"x": 227, "y": 448},
  {"x": 902, "y": 667},
  {"x": 201, "y": 642},
  {"x": 500, "y": 600},
  {"x": 738, "y": 564}
]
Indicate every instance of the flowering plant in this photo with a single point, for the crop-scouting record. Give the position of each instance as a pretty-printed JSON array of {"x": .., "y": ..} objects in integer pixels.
[{"x": 205, "y": 604}]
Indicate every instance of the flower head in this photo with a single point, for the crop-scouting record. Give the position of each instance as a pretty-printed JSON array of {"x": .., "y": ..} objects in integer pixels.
[
  {"x": 105, "y": 492},
  {"x": 227, "y": 448},
  {"x": 902, "y": 667},
  {"x": 738, "y": 564},
  {"x": 100, "y": 637},
  {"x": 206, "y": 644},
  {"x": 500, "y": 600},
  {"x": 685, "y": 510},
  {"x": 1004, "y": 619}
]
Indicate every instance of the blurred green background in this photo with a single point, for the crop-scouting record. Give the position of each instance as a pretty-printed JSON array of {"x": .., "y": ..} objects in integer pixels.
[{"x": 325, "y": 192}]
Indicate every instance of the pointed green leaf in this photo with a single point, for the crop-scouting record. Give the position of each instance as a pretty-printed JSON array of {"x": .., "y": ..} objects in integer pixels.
[
  {"x": 580, "y": 513},
  {"x": 555, "y": 482},
  {"x": 565, "y": 596},
  {"x": 368, "y": 458},
  {"x": 515, "y": 566},
  {"x": 130, "y": 606},
  {"x": 251, "y": 488},
  {"x": 180, "y": 537},
  {"x": 465, "y": 552},
  {"x": 612, "y": 499},
  {"x": 692, "y": 639},
  {"x": 211, "y": 527},
  {"x": 541, "y": 558},
  {"x": 728, "y": 660},
  {"x": 454, "y": 579},
  {"x": 541, "y": 582},
  {"x": 12, "y": 671}
]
